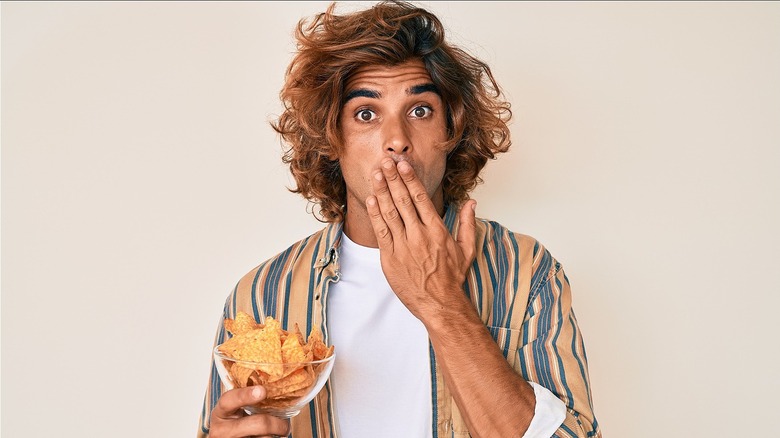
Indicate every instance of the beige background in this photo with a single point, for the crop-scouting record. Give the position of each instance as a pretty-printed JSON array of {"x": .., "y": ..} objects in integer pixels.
[{"x": 140, "y": 180}]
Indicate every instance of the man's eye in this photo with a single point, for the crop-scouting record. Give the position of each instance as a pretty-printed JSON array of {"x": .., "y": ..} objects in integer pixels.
[
  {"x": 365, "y": 115},
  {"x": 421, "y": 111}
]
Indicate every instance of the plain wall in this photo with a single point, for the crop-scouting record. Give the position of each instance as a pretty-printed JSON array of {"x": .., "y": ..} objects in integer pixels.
[{"x": 141, "y": 180}]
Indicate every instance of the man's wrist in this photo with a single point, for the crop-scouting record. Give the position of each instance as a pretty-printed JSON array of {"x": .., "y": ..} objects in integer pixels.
[{"x": 458, "y": 311}]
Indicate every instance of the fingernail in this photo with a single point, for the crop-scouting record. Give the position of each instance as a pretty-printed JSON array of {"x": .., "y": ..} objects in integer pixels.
[
  {"x": 371, "y": 201},
  {"x": 387, "y": 164},
  {"x": 257, "y": 392},
  {"x": 403, "y": 166},
  {"x": 474, "y": 206},
  {"x": 378, "y": 176}
]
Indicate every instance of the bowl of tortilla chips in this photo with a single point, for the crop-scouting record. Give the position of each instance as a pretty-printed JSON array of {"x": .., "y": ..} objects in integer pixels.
[{"x": 291, "y": 368}]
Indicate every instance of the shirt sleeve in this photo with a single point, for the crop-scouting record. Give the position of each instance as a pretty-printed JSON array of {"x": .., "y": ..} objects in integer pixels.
[
  {"x": 549, "y": 413},
  {"x": 214, "y": 388},
  {"x": 552, "y": 352}
]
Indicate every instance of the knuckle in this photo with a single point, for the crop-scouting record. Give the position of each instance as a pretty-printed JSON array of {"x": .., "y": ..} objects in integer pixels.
[
  {"x": 404, "y": 200},
  {"x": 392, "y": 214},
  {"x": 420, "y": 197},
  {"x": 222, "y": 404},
  {"x": 376, "y": 215}
]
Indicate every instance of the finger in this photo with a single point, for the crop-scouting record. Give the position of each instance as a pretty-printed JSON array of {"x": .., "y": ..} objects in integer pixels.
[
  {"x": 422, "y": 202},
  {"x": 231, "y": 403},
  {"x": 467, "y": 230},
  {"x": 399, "y": 192},
  {"x": 262, "y": 425},
  {"x": 387, "y": 205},
  {"x": 384, "y": 237}
]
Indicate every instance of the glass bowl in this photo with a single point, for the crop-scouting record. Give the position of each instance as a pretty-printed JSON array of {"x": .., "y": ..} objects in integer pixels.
[{"x": 289, "y": 386}]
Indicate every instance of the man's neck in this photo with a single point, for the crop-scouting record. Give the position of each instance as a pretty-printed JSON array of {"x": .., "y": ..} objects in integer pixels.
[{"x": 357, "y": 226}]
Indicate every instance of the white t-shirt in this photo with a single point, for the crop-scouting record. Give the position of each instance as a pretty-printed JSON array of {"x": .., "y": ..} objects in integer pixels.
[{"x": 381, "y": 379}]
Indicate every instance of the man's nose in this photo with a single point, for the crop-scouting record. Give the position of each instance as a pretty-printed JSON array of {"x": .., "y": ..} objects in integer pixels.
[{"x": 396, "y": 137}]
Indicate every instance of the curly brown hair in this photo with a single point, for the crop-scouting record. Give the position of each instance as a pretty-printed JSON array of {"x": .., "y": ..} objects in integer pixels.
[{"x": 332, "y": 47}]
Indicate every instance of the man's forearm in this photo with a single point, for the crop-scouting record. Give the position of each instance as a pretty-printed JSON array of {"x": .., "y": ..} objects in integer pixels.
[{"x": 492, "y": 398}]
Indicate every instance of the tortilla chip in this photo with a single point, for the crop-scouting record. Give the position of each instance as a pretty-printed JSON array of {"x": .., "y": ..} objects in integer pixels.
[
  {"x": 300, "y": 379},
  {"x": 241, "y": 324},
  {"x": 241, "y": 375},
  {"x": 258, "y": 345},
  {"x": 292, "y": 350}
]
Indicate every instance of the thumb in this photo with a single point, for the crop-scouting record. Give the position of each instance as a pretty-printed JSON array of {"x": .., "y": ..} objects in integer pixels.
[
  {"x": 231, "y": 403},
  {"x": 467, "y": 230}
]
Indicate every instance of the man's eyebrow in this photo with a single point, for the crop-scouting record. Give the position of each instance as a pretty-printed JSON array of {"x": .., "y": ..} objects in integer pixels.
[
  {"x": 362, "y": 92},
  {"x": 423, "y": 88}
]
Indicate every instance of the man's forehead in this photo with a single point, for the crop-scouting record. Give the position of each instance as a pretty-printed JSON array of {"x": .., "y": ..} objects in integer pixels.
[{"x": 377, "y": 76}]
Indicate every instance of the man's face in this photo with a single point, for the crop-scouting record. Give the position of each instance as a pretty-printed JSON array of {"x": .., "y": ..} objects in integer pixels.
[{"x": 392, "y": 112}]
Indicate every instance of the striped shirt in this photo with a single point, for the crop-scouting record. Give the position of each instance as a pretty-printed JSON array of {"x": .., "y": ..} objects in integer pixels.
[{"x": 519, "y": 290}]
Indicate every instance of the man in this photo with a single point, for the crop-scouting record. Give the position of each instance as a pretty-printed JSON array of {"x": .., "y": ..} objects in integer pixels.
[{"x": 388, "y": 127}]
